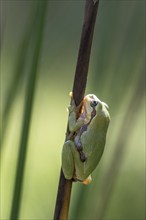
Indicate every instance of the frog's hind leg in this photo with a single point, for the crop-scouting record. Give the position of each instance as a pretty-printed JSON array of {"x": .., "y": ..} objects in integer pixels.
[{"x": 67, "y": 160}]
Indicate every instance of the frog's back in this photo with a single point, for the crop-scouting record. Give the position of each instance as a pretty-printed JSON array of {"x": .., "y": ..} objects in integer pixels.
[{"x": 93, "y": 142}]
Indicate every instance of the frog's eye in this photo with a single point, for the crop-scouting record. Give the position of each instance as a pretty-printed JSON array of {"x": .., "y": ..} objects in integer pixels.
[{"x": 93, "y": 104}]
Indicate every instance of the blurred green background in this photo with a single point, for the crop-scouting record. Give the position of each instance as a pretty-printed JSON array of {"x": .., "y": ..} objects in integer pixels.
[{"x": 40, "y": 53}]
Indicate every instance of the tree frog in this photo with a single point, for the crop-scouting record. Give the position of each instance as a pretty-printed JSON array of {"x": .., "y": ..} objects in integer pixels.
[{"x": 84, "y": 147}]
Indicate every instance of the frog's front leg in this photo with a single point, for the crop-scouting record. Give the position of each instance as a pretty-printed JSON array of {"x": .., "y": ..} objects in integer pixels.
[
  {"x": 74, "y": 123},
  {"x": 67, "y": 159},
  {"x": 74, "y": 120}
]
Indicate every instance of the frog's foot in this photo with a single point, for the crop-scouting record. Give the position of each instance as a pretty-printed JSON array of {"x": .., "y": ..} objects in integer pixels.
[
  {"x": 88, "y": 180},
  {"x": 79, "y": 146},
  {"x": 73, "y": 106},
  {"x": 83, "y": 157}
]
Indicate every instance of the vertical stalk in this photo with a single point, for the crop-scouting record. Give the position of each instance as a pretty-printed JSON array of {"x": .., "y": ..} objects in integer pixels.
[
  {"x": 65, "y": 186},
  {"x": 29, "y": 96},
  {"x": 121, "y": 144},
  {"x": 17, "y": 77}
]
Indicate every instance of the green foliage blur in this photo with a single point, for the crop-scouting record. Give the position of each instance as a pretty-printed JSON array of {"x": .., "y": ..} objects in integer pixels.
[{"x": 116, "y": 76}]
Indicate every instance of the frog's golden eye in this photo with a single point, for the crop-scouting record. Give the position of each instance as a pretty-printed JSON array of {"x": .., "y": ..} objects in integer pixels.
[{"x": 93, "y": 104}]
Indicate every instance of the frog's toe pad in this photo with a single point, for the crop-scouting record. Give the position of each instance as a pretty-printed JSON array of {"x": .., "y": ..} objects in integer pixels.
[{"x": 87, "y": 181}]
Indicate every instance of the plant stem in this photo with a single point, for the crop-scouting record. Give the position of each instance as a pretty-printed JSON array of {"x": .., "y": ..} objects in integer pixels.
[
  {"x": 65, "y": 186},
  {"x": 30, "y": 90},
  {"x": 84, "y": 51}
]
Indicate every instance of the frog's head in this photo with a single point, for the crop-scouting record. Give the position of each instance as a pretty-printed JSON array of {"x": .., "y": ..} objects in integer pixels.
[{"x": 92, "y": 105}]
